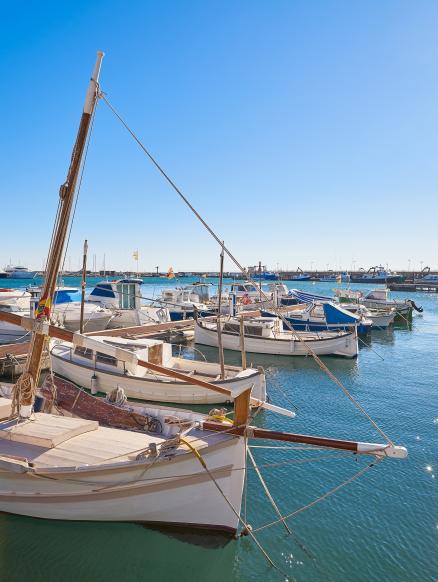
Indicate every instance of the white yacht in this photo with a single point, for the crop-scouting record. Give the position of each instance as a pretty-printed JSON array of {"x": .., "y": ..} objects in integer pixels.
[{"x": 17, "y": 272}]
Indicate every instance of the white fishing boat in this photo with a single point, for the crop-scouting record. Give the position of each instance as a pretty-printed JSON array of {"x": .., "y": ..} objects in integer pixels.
[
  {"x": 190, "y": 473},
  {"x": 378, "y": 299},
  {"x": 94, "y": 370},
  {"x": 8, "y": 295},
  {"x": 265, "y": 335},
  {"x": 18, "y": 272},
  {"x": 321, "y": 316},
  {"x": 183, "y": 302},
  {"x": 123, "y": 298},
  {"x": 66, "y": 315},
  {"x": 380, "y": 318},
  {"x": 245, "y": 290},
  {"x": 73, "y": 469}
]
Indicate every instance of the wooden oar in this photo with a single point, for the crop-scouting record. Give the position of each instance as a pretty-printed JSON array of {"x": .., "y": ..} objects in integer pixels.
[{"x": 80, "y": 340}]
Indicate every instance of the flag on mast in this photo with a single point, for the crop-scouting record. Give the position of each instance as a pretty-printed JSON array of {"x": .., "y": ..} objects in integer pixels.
[
  {"x": 135, "y": 255},
  {"x": 170, "y": 273}
]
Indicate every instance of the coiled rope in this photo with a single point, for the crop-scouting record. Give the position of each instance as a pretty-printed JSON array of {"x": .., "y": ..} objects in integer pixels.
[{"x": 24, "y": 389}]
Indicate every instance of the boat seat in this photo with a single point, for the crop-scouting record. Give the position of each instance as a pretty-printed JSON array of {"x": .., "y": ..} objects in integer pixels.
[{"x": 45, "y": 430}]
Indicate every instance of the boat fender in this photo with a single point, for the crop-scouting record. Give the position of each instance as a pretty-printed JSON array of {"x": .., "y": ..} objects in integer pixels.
[
  {"x": 414, "y": 306},
  {"x": 94, "y": 384}
]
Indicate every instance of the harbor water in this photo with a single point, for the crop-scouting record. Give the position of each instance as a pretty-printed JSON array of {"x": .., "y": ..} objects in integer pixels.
[{"x": 381, "y": 526}]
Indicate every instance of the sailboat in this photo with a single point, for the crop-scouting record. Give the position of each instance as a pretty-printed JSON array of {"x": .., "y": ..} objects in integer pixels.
[
  {"x": 266, "y": 335},
  {"x": 93, "y": 369},
  {"x": 67, "y": 467}
]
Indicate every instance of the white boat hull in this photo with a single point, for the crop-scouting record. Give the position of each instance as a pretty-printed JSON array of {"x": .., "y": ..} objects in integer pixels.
[
  {"x": 153, "y": 387},
  {"x": 342, "y": 344},
  {"x": 68, "y": 315},
  {"x": 401, "y": 308},
  {"x": 175, "y": 491},
  {"x": 382, "y": 321}
]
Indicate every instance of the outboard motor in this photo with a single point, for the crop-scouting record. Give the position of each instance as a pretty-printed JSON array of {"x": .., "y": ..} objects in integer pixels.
[{"x": 414, "y": 306}]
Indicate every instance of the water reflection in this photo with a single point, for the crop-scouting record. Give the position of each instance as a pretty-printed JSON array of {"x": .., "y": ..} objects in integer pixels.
[
  {"x": 107, "y": 551},
  {"x": 199, "y": 538}
]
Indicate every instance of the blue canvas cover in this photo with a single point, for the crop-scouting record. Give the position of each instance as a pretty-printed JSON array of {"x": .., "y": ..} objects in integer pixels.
[{"x": 336, "y": 315}]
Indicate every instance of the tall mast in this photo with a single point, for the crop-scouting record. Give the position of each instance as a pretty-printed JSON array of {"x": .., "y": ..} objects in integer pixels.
[{"x": 66, "y": 195}]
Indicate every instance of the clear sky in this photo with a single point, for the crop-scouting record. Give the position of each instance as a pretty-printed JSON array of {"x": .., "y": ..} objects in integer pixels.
[{"x": 306, "y": 133}]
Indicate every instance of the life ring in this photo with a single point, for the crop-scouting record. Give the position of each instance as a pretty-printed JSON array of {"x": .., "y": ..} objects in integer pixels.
[{"x": 246, "y": 299}]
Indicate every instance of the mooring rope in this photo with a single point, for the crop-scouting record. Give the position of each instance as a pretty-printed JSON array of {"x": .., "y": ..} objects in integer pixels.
[{"x": 324, "y": 496}]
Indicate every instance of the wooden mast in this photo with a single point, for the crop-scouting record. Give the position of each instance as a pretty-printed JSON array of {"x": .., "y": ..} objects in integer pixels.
[{"x": 66, "y": 195}]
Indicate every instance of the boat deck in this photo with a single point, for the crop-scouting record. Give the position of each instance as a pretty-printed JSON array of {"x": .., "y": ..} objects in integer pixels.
[{"x": 51, "y": 441}]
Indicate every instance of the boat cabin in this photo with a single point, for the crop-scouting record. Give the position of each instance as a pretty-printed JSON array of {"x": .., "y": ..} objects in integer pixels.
[
  {"x": 280, "y": 288},
  {"x": 149, "y": 350},
  {"x": 378, "y": 294},
  {"x": 254, "y": 326},
  {"x": 179, "y": 296},
  {"x": 241, "y": 289},
  {"x": 120, "y": 294}
]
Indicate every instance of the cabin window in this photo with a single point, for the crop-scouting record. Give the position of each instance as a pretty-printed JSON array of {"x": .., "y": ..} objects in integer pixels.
[
  {"x": 126, "y": 293},
  {"x": 105, "y": 359},
  {"x": 249, "y": 329},
  {"x": 84, "y": 353}
]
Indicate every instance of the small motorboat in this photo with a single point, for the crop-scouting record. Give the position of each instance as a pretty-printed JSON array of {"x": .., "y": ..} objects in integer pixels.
[{"x": 123, "y": 298}]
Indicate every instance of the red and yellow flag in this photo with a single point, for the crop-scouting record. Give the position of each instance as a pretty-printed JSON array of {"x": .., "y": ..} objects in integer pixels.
[
  {"x": 170, "y": 273},
  {"x": 43, "y": 308}
]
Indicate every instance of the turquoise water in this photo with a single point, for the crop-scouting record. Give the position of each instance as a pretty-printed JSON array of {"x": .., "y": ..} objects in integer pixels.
[{"x": 383, "y": 526}]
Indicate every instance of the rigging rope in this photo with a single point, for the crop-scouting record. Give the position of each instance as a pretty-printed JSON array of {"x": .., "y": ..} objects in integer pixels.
[
  {"x": 317, "y": 359},
  {"x": 324, "y": 496},
  {"x": 247, "y": 527},
  {"x": 78, "y": 189}
]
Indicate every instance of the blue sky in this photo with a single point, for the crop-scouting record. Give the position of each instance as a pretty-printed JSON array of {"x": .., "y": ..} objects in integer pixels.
[{"x": 304, "y": 132}]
